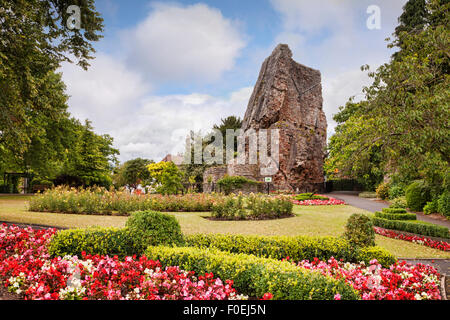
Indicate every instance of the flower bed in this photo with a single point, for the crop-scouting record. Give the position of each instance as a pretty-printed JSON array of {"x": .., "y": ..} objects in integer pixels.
[
  {"x": 252, "y": 207},
  {"x": 402, "y": 281},
  {"x": 107, "y": 202},
  {"x": 319, "y": 202},
  {"x": 440, "y": 245},
  {"x": 27, "y": 269}
]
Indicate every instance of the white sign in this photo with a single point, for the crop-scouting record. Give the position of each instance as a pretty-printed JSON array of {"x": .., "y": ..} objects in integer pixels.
[{"x": 268, "y": 179}]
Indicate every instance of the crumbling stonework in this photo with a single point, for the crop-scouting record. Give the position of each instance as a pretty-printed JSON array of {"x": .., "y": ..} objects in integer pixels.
[{"x": 288, "y": 96}]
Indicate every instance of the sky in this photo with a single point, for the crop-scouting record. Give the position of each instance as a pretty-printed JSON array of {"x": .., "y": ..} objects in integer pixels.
[{"x": 166, "y": 67}]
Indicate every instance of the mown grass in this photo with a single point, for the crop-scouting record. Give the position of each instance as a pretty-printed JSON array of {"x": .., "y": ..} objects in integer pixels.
[{"x": 308, "y": 220}]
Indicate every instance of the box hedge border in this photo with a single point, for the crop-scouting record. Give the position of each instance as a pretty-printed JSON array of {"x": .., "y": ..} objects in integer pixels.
[
  {"x": 254, "y": 276},
  {"x": 395, "y": 216},
  {"x": 413, "y": 227},
  {"x": 296, "y": 248}
]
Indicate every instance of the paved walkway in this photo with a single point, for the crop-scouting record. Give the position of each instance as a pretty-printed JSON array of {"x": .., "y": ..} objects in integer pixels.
[{"x": 351, "y": 198}]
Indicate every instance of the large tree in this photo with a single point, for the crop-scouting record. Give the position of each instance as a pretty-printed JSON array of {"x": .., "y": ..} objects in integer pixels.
[
  {"x": 90, "y": 159},
  {"x": 406, "y": 111},
  {"x": 132, "y": 173},
  {"x": 34, "y": 39},
  {"x": 368, "y": 172}
]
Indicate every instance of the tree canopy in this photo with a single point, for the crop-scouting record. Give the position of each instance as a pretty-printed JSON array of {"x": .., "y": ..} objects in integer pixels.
[
  {"x": 37, "y": 134},
  {"x": 404, "y": 117},
  {"x": 133, "y": 172}
]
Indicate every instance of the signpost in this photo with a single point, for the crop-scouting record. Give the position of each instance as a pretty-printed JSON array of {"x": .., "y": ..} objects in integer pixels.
[{"x": 268, "y": 180}]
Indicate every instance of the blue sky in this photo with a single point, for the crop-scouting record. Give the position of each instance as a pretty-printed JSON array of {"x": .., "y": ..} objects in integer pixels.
[{"x": 165, "y": 67}]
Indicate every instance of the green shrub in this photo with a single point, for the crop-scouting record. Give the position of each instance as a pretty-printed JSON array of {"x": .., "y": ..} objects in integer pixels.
[
  {"x": 394, "y": 210},
  {"x": 155, "y": 228},
  {"x": 297, "y": 248},
  {"x": 417, "y": 227},
  {"x": 444, "y": 204},
  {"x": 396, "y": 216},
  {"x": 229, "y": 184},
  {"x": 383, "y": 191},
  {"x": 359, "y": 230},
  {"x": 399, "y": 202},
  {"x": 103, "y": 241},
  {"x": 417, "y": 195},
  {"x": 384, "y": 257},
  {"x": 396, "y": 191},
  {"x": 254, "y": 276},
  {"x": 431, "y": 207}
]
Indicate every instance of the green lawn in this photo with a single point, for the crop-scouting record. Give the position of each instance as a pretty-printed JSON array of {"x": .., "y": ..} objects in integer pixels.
[{"x": 309, "y": 220}]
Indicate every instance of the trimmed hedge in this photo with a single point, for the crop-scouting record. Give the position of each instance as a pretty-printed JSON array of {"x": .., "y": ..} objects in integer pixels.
[
  {"x": 396, "y": 216},
  {"x": 394, "y": 210},
  {"x": 431, "y": 230},
  {"x": 296, "y": 248},
  {"x": 254, "y": 276},
  {"x": 384, "y": 257},
  {"x": 123, "y": 242},
  {"x": 103, "y": 241}
]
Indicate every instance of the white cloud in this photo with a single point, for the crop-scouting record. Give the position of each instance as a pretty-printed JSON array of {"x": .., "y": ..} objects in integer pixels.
[
  {"x": 338, "y": 89},
  {"x": 118, "y": 102},
  {"x": 161, "y": 123},
  {"x": 184, "y": 43},
  {"x": 174, "y": 43},
  {"x": 105, "y": 91}
]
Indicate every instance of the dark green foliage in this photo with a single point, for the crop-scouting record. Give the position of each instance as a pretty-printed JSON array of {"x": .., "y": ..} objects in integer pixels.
[
  {"x": 155, "y": 228},
  {"x": 396, "y": 216},
  {"x": 417, "y": 227},
  {"x": 102, "y": 241},
  {"x": 33, "y": 104},
  {"x": 229, "y": 184},
  {"x": 90, "y": 158},
  {"x": 254, "y": 276},
  {"x": 404, "y": 114},
  {"x": 413, "y": 18},
  {"x": 444, "y": 204},
  {"x": 359, "y": 230},
  {"x": 417, "y": 195},
  {"x": 132, "y": 173}
]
